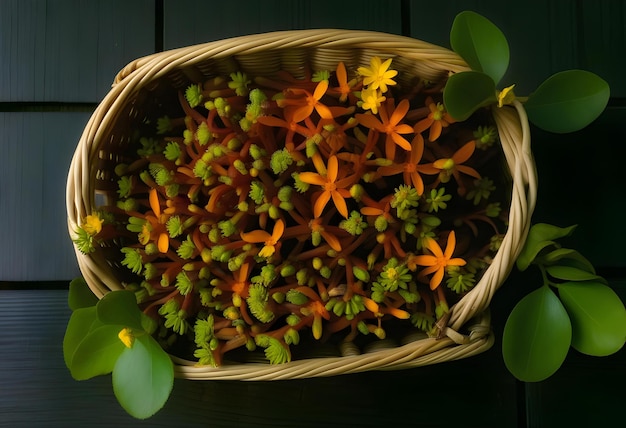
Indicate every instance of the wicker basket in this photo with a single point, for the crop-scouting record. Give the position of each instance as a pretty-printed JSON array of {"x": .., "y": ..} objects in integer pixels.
[{"x": 102, "y": 145}]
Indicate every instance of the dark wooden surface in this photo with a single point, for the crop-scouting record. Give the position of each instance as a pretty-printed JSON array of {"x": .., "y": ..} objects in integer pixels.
[
  {"x": 57, "y": 60},
  {"x": 38, "y": 391}
]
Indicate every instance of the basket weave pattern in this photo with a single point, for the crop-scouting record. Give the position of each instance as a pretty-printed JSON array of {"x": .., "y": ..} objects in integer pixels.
[{"x": 108, "y": 132}]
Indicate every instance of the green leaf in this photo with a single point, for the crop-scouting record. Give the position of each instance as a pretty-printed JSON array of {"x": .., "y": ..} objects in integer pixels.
[
  {"x": 481, "y": 44},
  {"x": 148, "y": 324},
  {"x": 568, "y": 273},
  {"x": 466, "y": 92},
  {"x": 82, "y": 321},
  {"x": 567, "y": 257},
  {"x": 143, "y": 378},
  {"x": 275, "y": 351},
  {"x": 598, "y": 317},
  {"x": 97, "y": 353},
  {"x": 119, "y": 307},
  {"x": 568, "y": 101},
  {"x": 540, "y": 236},
  {"x": 537, "y": 336},
  {"x": 80, "y": 296}
]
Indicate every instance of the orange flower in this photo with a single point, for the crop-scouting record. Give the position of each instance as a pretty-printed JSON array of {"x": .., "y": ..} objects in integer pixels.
[
  {"x": 411, "y": 169},
  {"x": 235, "y": 282},
  {"x": 301, "y": 107},
  {"x": 390, "y": 125},
  {"x": 314, "y": 309},
  {"x": 331, "y": 188},
  {"x": 288, "y": 123},
  {"x": 345, "y": 87},
  {"x": 391, "y": 245},
  {"x": 335, "y": 135},
  {"x": 380, "y": 311},
  {"x": 271, "y": 241},
  {"x": 240, "y": 286},
  {"x": 156, "y": 229},
  {"x": 332, "y": 240},
  {"x": 452, "y": 166},
  {"x": 292, "y": 127},
  {"x": 437, "y": 119},
  {"x": 316, "y": 229},
  {"x": 438, "y": 261},
  {"x": 380, "y": 208}
]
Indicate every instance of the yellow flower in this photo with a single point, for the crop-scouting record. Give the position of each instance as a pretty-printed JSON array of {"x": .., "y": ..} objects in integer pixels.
[
  {"x": 92, "y": 224},
  {"x": 127, "y": 337},
  {"x": 506, "y": 96},
  {"x": 378, "y": 75},
  {"x": 372, "y": 99}
]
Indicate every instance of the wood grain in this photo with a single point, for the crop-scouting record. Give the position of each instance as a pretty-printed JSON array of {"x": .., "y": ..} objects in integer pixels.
[
  {"x": 69, "y": 50},
  {"x": 35, "y": 153},
  {"x": 37, "y": 389},
  {"x": 581, "y": 181},
  {"x": 189, "y": 22}
]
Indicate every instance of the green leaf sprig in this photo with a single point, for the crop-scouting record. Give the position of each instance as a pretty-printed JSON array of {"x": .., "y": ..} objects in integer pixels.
[
  {"x": 565, "y": 102},
  {"x": 574, "y": 307},
  {"x": 112, "y": 335}
]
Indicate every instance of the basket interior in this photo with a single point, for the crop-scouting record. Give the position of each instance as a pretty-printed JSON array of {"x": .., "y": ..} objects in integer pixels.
[
  {"x": 158, "y": 97},
  {"x": 147, "y": 95}
]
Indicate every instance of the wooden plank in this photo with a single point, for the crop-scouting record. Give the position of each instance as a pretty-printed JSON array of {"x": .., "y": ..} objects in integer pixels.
[
  {"x": 191, "y": 22},
  {"x": 35, "y": 153},
  {"x": 581, "y": 181},
  {"x": 22, "y": 43},
  {"x": 603, "y": 41},
  {"x": 37, "y": 389},
  {"x": 69, "y": 50}
]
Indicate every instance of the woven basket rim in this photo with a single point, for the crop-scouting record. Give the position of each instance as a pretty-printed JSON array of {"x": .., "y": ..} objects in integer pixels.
[
  {"x": 514, "y": 134},
  {"x": 286, "y": 39}
]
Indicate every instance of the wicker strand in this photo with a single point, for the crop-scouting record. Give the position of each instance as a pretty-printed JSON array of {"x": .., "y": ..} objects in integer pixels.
[{"x": 515, "y": 140}]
